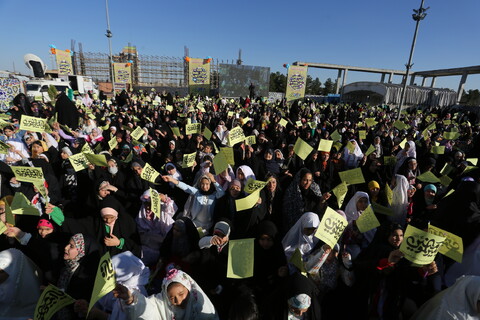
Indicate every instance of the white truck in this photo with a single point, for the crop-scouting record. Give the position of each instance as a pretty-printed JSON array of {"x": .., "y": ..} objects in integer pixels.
[{"x": 38, "y": 89}]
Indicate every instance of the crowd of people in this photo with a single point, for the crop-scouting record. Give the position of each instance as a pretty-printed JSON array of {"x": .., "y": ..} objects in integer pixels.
[{"x": 173, "y": 264}]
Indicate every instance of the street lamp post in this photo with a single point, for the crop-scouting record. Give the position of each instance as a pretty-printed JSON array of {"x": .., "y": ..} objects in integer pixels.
[
  {"x": 418, "y": 16},
  {"x": 109, "y": 36}
]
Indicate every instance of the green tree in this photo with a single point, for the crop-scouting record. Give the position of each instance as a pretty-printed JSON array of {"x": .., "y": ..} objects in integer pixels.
[
  {"x": 471, "y": 98},
  {"x": 314, "y": 87},
  {"x": 278, "y": 82},
  {"x": 328, "y": 87}
]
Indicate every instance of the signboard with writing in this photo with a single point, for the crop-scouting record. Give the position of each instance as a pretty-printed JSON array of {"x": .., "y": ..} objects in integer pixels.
[
  {"x": 32, "y": 123},
  {"x": 331, "y": 227},
  {"x": 420, "y": 247}
]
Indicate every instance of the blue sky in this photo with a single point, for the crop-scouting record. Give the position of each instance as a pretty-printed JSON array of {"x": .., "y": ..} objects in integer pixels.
[{"x": 367, "y": 33}]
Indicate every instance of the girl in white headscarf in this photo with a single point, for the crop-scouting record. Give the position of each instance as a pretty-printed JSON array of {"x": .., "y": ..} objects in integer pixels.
[
  {"x": 400, "y": 200},
  {"x": 19, "y": 285},
  {"x": 352, "y": 159},
  {"x": 408, "y": 151},
  {"x": 181, "y": 299},
  {"x": 243, "y": 174},
  {"x": 357, "y": 204},
  {"x": 459, "y": 302}
]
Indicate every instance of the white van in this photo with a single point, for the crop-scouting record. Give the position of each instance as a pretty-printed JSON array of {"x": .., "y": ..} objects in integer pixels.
[{"x": 38, "y": 89}]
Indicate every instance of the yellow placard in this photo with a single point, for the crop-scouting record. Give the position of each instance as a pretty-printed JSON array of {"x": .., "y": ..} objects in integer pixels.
[
  {"x": 96, "y": 159},
  {"x": 228, "y": 152},
  {"x": 325, "y": 145},
  {"x": 21, "y": 205},
  {"x": 367, "y": 220},
  {"x": 400, "y": 125},
  {"x": 254, "y": 185},
  {"x": 198, "y": 72},
  {"x": 389, "y": 160},
  {"x": 283, "y": 122},
  {"x": 432, "y": 126},
  {"x": 32, "y": 124},
  {"x": 353, "y": 176},
  {"x": 240, "y": 258},
  {"x": 9, "y": 217},
  {"x": 207, "y": 133},
  {"x": 64, "y": 62},
  {"x": 340, "y": 192},
  {"x": 137, "y": 134},
  {"x": 41, "y": 188},
  {"x": 420, "y": 247},
  {"x": 453, "y": 245},
  {"x": 370, "y": 122},
  {"x": 104, "y": 280},
  {"x": 362, "y": 134},
  {"x": 447, "y": 169},
  {"x": 175, "y": 131},
  {"x": 156, "y": 204},
  {"x": 188, "y": 160},
  {"x": 28, "y": 174},
  {"x": 169, "y": 108},
  {"x": 473, "y": 161},
  {"x": 370, "y": 150},
  {"x": 297, "y": 261},
  {"x": 449, "y": 193},
  {"x": 193, "y": 128},
  {"x": 389, "y": 194},
  {"x": 79, "y": 161},
  {"x": 331, "y": 227},
  {"x": 86, "y": 149},
  {"x": 112, "y": 143},
  {"x": 248, "y": 202},
  {"x": 445, "y": 180},
  {"x": 302, "y": 149},
  {"x": 235, "y": 136},
  {"x": 336, "y": 136},
  {"x": 220, "y": 163},
  {"x": 51, "y": 300},
  {"x": 298, "y": 123},
  {"x": 451, "y": 135},
  {"x": 3, "y": 227},
  {"x": 350, "y": 147},
  {"x": 149, "y": 173},
  {"x": 428, "y": 176},
  {"x": 122, "y": 72},
  {"x": 438, "y": 149},
  {"x": 296, "y": 82},
  {"x": 251, "y": 140},
  {"x": 378, "y": 208}
]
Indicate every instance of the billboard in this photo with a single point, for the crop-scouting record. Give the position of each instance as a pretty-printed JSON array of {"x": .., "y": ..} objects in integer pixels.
[
  {"x": 296, "y": 82},
  {"x": 236, "y": 79}
]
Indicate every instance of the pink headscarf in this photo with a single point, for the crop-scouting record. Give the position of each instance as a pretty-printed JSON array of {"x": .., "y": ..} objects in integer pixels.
[{"x": 109, "y": 212}]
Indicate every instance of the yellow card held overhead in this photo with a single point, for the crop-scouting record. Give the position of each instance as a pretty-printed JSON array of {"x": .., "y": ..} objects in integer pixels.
[
  {"x": 325, "y": 145},
  {"x": 207, "y": 133},
  {"x": 336, "y": 136},
  {"x": 248, "y": 202},
  {"x": 28, "y": 123},
  {"x": 340, "y": 192},
  {"x": 251, "y": 140},
  {"x": 453, "y": 245},
  {"x": 235, "y": 136},
  {"x": 302, "y": 149},
  {"x": 138, "y": 133},
  {"x": 155, "y": 202},
  {"x": 370, "y": 150},
  {"x": 104, "y": 280},
  {"x": 420, "y": 247},
  {"x": 331, "y": 227},
  {"x": 112, "y": 143},
  {"x": 188, "y": 160},
  {"x": 240, "y": 258},
  {"x": 389, "y": 194},
  {"x": 428, "y": 176},
  {"x": 283, "y": 122},
  {"x": 353, "y": 176},
  {"x": 367, "y": 220},
  {"x": 149, "y": 173},
  {"x": 438, "y": 149},
  {"x": 21, "y": 205},
  {"x": 254, "y": 185},
  {"x": 79, "y": 161},
  {"x": 3, "y": 227},
  {"x": 228, "y": 152},
  {"x": 297, "y": 261},
  {"x": 50, "y": 302},
  {"x": 97, "y": 159},
  {"x": 220, "y": 163},
  {"x": 27, "y": 174}
]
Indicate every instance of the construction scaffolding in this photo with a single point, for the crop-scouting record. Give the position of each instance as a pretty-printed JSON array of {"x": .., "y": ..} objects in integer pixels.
[{"x": 147, "y": 70}]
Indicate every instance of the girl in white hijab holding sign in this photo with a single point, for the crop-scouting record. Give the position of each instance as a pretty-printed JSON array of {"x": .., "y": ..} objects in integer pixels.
[{"x": 181, "y": 299}]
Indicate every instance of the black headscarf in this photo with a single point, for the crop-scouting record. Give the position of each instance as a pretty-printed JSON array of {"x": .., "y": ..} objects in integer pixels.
[{"x": 23, "y": 104}]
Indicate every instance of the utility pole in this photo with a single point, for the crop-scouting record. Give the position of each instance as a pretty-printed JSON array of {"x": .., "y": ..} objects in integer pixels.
[
  {"x": 418, "y": 16},
  {"x": 109, "y": 36}
]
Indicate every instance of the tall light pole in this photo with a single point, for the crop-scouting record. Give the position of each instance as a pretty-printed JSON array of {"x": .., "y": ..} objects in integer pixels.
[
  {"x": 109, "y": 36},
  {"x": 418, "y": 16}
]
